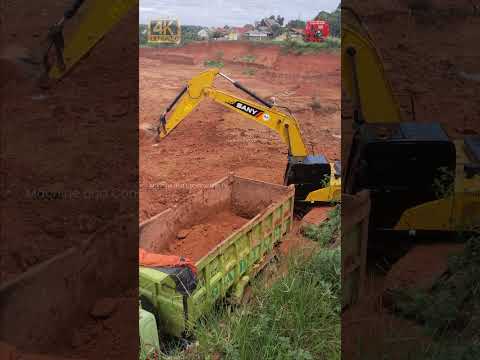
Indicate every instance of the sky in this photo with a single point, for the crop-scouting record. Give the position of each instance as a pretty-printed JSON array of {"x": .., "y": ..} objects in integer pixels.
[{"x": 231, "y": 12}]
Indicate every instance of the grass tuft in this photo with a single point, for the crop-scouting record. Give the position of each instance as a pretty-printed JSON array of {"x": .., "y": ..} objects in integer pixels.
[
  {"x": 449, "y": 311},
  {"x": 248, "y": 58},
  {"x": 214, "y": 63},
  {"x": 249, "y": 71},
  {"x": 327, "y": 232},
  {"x": 299, "y": 48}
]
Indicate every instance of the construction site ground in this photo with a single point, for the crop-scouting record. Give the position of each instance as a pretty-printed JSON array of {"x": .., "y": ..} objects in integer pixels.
[
  {"x": 213, "y": 141},
  {"x": 53, "y": 143}
]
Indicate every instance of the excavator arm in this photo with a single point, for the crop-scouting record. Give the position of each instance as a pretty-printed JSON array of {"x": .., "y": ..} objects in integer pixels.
[
  {"x": 315, "y": 179},
  {"x": 363, "y": 77},
  {"x": 201, "y": 87}
]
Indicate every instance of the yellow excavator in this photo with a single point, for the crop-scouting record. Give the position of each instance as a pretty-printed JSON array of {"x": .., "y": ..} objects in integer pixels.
[
  {"x": 315, "y": 179},
  {"x": 60, "y": 55},
  {"x": 420, "y": 180}
]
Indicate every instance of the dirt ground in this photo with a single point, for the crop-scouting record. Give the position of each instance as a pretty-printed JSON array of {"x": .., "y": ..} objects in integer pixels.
[
  {"x": 213, "y": 141},
  {"x": 77, "y": 139},
  {"x": 51, "y": 141}
]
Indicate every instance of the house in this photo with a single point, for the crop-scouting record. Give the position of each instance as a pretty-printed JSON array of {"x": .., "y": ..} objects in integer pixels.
[
  {"x": 295, "y": 34},
  {"x": 203, "y": 34},
  {"x": 237, "y": 33},
  {"x": 220, "y": 33},
  {"x": 258, "y": 35}
]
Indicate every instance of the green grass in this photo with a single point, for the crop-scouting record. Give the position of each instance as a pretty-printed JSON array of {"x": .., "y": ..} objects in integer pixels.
[
  {"x": 249, "y": 71},
  {"x": 213, "y": 63},
  {"x": 298, "y": 317},
  {"x": 299, "y": 48},
  {"x": 248, "y": 58},
  {"x": 325, "y": 233},
  {"x": 217, "y": 62},
  {"x": 450, "y": 311}
]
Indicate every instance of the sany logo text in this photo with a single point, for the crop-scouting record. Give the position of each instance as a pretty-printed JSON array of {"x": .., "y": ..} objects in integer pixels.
[{"x": 247, "y": 109}]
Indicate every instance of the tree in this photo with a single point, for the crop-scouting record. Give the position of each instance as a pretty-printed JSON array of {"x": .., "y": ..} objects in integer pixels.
[
  {"x": 280, "y": 20},
  {"x": 333, "y": 19},
  {"x": 143, "y": 34},
  {"x": 276, "y": 30},
  {"x": 190, "y": 33},
  {"x": 296, "y": 24}
]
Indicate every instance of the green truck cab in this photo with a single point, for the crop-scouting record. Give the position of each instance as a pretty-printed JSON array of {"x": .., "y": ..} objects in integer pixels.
[{"x": 149, "y": 342}]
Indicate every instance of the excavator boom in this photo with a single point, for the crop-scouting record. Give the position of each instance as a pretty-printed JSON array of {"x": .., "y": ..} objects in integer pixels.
[{"x": 201, "y": 86}]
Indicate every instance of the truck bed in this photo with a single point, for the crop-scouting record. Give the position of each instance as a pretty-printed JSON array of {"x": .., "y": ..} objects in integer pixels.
[{"x": 228, "y": 229}]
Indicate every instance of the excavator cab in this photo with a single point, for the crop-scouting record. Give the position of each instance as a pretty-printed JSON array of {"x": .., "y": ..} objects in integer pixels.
[
  {"x": 402, "y": 165},
  {"x": 307, "y": 174}
]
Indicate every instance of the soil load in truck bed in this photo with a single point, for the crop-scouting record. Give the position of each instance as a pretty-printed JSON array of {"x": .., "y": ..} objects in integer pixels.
[
  {"x": 229, "y": 229},
  {"x": 196, "y": 241}
]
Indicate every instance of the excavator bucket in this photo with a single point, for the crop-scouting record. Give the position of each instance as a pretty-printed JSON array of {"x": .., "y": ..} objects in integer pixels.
[{"x": 97, "y": 20}]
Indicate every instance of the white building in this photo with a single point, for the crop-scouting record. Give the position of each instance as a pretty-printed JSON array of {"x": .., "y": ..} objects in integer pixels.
[
  {"x": 257, "y": 35},
  {"x": 203, "y": 34}
]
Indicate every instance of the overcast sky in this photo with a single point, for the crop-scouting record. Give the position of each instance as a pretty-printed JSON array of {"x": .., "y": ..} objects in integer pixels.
[{"x": 231, "y": 12}]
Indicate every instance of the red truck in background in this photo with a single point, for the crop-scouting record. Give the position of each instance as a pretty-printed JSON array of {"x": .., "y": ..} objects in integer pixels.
[{"x": 316, "y": 31}]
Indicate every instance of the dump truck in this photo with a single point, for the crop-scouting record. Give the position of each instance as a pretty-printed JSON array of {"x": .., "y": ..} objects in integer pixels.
[{"x": 223, "y": 267}]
